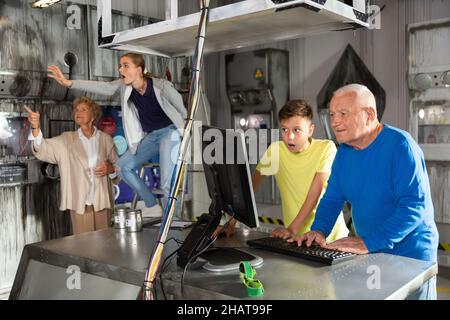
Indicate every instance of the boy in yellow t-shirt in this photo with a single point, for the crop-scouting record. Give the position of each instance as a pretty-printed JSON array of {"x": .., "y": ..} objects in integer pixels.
[{"x": 301, "y": 166}]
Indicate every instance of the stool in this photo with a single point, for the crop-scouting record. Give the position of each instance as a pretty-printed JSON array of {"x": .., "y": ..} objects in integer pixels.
[{"x": 157, "y": 192}]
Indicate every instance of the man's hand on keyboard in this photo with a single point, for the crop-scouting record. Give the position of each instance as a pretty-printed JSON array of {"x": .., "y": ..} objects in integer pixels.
[
  {"x": 309, "y": 238},
  {"x": 282, "y": 233},
  {"x": 349, "y": 244}
]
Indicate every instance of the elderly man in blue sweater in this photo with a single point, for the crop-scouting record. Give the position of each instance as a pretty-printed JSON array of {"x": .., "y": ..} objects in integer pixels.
[{"x": 381, "y": 171}]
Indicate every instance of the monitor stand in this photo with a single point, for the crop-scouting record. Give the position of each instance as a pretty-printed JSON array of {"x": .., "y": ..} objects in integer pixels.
[
  {"x": 227, "y": 259},
  {"x": 216, "y": 259},
  {"x": 212, "y": 259}
]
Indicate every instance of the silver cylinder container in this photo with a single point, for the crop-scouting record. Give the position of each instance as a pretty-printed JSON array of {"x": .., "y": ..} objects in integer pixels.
[
  {"x": 134, "y": 220},
  {"x": 120, "y": 217}
]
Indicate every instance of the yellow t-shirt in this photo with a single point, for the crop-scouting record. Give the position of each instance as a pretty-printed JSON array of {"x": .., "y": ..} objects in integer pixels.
[{"x": 294, "y": 173}]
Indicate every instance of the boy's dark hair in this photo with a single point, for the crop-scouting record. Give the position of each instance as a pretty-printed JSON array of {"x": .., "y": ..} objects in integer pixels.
[{"x": 295, "y": 108}]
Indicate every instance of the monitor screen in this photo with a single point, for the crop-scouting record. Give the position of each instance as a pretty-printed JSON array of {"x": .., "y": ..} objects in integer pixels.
[
  {"x": 229, "y": 185},
  {"x": 228, "y": 175}
]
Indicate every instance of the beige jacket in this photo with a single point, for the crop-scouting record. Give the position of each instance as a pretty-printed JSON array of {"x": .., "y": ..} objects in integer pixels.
[{"x": 66, "y": 150}]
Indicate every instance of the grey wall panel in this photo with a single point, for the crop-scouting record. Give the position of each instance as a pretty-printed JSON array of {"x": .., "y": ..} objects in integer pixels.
[
  {"x": 31, "y": 39},
  {"x": 28, "y": 214},
  {"x": 385, "y": 49},
  {"x": 149, "y": 8},
  {"x": 320, "y": 55}
]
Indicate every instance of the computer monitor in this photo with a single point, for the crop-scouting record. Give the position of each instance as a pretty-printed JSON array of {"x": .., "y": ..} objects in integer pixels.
[{"x": 229, "y": 183}]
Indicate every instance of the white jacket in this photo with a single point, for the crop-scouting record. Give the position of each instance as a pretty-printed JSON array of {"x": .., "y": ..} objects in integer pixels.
[{"x": 168, "y": 97}]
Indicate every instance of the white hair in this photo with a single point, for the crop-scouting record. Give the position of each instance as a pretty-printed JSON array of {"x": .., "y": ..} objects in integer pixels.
[{"x": 364, "y": 96}]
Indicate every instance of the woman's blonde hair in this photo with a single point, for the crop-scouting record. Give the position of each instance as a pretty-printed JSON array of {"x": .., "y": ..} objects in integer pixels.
[
  {"x": 93, "y": 106},
  {"x": 138, "y": 60}
]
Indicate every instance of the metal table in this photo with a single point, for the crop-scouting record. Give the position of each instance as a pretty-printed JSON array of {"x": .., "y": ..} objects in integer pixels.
[{"x": 112, "y": 265}]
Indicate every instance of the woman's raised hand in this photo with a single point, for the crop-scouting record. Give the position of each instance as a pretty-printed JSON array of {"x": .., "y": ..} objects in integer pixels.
[
  {"x": 56, "y": 73},
  {"x": 33, "y": 118}
]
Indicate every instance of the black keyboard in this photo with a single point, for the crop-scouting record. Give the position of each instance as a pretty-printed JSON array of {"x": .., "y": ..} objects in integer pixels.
[{"x": 315, "y": 253}]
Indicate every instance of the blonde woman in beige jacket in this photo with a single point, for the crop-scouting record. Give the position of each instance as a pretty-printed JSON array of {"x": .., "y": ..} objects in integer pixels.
[{"x": 86, "y": 159}]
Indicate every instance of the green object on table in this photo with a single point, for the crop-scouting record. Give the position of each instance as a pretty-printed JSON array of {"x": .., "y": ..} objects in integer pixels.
[{"x": 254, "y": 286}]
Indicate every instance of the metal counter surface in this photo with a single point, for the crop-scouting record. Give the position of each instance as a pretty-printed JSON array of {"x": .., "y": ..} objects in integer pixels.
[{"x": 121, "y": 256}]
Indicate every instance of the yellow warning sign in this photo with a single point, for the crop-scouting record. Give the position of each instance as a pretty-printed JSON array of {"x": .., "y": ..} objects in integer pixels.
[{"x": 258, "y": 74}]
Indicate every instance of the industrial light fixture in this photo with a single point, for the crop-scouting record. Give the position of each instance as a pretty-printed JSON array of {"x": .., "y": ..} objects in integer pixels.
[
  {"x": 44, "y": 3},
  {"x": 423, "y": 81},
  {"x": 421, "y": 114}
]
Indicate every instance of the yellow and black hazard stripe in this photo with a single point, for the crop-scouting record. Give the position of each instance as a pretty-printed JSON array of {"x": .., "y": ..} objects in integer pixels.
[
  {"x": 270, "y": 220},
  {"x": 262, "y": 219},
  {"x": 444, "y": 246},
  {"x": 442, "y": 290}
]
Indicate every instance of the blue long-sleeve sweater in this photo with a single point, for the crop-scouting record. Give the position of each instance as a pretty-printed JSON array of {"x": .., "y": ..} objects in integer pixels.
[{"x": 387, "y": 185}]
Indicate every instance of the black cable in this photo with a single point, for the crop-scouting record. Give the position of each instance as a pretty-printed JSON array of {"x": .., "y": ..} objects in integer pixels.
[
  {"x": 174, "y": 239},
  {"x": 145, "y": 283},
  {"x": 155, "y": 294},
  {"x": 161, "y": 270},
  {"x": 190, "y": 261},
  {"x": 168, "y": 258},
  {"x": 197, "y": 255}
]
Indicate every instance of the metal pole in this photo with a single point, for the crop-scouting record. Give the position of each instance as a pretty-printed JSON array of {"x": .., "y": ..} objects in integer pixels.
[{"x": 177, "y": 178}]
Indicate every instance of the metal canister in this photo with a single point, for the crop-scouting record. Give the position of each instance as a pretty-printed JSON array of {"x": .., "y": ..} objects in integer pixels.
[
  {"x": 120, "y": 217},
  {"x": 134, "y": 220}
]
